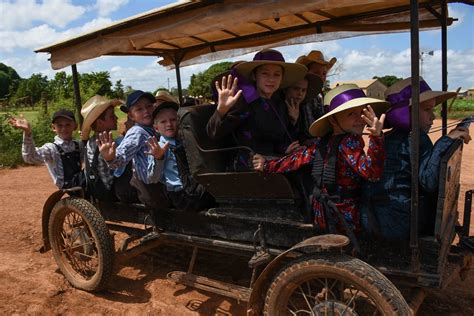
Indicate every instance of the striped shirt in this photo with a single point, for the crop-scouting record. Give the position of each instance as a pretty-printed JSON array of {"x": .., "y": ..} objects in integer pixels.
[
  {"x": 103, "y": 170},
  {"x": 48, "y": 154},
  {"x": 133, "y": 147}
]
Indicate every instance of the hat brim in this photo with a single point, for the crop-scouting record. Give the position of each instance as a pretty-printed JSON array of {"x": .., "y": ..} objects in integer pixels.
[
  {"x": 291, "y": 72},
  {"x": 439, "y": 96},
  {"x": 306, "y": 61},
  {"x": 321, "y": 126},
  {"x": 165, "y": 105},
  {"x": 94, "y": 114}
]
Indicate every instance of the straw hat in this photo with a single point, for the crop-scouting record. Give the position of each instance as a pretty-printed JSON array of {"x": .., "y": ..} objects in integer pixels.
[
  {"x": 316, "y": 56},
  {"x": 92, "y": 109},
  {"x": 341, "y": 98},
  {"x": 163, "y": 95},
  {"x": 291, "y": 72}
]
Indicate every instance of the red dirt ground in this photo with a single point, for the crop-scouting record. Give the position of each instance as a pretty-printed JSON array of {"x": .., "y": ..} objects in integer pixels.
[{"x": 32, "y": 284}]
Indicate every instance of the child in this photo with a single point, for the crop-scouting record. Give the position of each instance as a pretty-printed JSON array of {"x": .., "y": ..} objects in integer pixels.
[
  {"x": 139, "y": 108},
  {"x": 62, "y": 157},
  {"x": 339, "y": 145},
  {"x": 258, "y": 120},
  {"x": 182, "y": 190},
  {"x": 389, "y": 200}
]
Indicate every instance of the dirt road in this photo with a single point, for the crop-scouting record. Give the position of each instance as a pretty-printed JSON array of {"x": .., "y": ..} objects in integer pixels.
[{"x": 31, "y": 283}]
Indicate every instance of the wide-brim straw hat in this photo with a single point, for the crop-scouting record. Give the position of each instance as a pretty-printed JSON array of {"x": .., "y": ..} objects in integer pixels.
[
  {"x": 400, "y": 93},
  {"x": 92, "y": 109},
  {"x": 341, "y": 98},
  {"x": 163, "y": 95},
  {"x": 291, "y": 72},
  {"x": 316, "y": 56}
]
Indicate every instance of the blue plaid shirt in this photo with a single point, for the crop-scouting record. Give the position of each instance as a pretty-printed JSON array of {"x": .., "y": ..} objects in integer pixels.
[{"x": 390, "y": 198}]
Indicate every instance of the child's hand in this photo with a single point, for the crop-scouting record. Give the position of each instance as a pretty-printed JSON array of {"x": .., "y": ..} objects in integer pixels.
[
  {"x": 294, "y": 146},
  {"x": 228, "y": 94},
  {"x": 20, "y": 123},
  {"x": 374, "y": 125},
  {"x": 293, "y": 110},
  {"x": 155, "y": 149},
  {"x": 106, "y": 145},
  {"x": 460, "y": 132},
  {"x": 258, "y": 161}
]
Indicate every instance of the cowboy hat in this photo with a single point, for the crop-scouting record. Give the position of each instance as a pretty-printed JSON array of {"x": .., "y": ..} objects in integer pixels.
[
  {"x": 341, "y": 98},
  {"x": 291, "y": 72},
  {"x": 315, "y": 56},
  {"x": 400, "y": 97},
  {"x": 165, "y": 105},
  {"x": 92, "y": 109},
  {"x": 163, "y": 95}
]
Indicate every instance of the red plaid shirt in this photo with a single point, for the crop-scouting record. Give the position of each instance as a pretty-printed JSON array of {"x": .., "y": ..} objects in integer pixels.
[{"x": 353, "y": 166}]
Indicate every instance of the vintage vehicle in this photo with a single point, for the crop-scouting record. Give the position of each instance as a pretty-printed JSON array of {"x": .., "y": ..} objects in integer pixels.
[{"x": 264, "y": 218}]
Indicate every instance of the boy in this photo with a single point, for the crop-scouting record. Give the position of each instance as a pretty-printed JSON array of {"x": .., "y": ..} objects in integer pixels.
[
  {"x": 62, "y": 157},
  {"x": 139, "y": 108},
  {"x": 183, "y": 192},
  {"x": 389, "y": 200},
  {"x": 339, "y": 147}
]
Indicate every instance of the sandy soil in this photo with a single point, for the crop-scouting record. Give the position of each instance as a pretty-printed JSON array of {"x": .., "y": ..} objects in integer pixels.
[{"x": 32, "y": 284}]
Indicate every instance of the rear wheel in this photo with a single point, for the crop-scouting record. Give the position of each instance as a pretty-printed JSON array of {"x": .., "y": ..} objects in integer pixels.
[
  {"x": 333, "y": 284},
  {"x": 81, "y": 244}
]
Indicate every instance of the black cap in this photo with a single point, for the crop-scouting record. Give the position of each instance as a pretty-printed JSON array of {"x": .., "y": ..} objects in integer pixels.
[
  {"x": 165, "y": 105},
  {"x": 64, "y": 113},
  {"x": 134, "y": 97}
]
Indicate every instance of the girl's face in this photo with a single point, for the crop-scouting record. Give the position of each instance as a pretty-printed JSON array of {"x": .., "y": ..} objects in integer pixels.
[
  {"x": 142, "y": 112},
  {"x": 427, "y": 114},
  {"x": 64, "y": 128},
  {"x": 297, "y": 91},
  {"x": 268, "y": 79},
  {"x": 348, "y": 121}
]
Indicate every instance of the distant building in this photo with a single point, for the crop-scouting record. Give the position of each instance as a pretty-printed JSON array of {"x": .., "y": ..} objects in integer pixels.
[
  {"x": 470, "y": 94},
  {"x": 373, "y": 88}
]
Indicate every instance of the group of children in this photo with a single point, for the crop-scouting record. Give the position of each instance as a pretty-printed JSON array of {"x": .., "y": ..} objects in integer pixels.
[{"x": 277, "y": 110}]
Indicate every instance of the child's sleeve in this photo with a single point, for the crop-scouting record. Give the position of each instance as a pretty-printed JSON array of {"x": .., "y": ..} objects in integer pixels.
[
  {"x": 369, "y": 166},
  {"x": 35, "y": 155},
  {"x": 128, "y": 148},
  {"x": 291, "y": 162},
  {"x": 219, "y": 127},
  {"x": 430, "y": 161}
]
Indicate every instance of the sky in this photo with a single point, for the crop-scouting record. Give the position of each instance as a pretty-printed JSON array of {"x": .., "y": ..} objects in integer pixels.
[{"x": 26, "y": 25}]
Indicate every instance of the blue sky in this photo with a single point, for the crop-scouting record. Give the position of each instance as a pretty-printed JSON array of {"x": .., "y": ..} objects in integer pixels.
[{"x": 358, "y": 58}]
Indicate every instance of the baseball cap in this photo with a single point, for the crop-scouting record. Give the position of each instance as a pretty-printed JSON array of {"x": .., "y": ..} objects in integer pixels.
[
  {"x": 134, "y": 97},
  {"x": 165, "y": 105},
  {"x": 64, "y": 113}
]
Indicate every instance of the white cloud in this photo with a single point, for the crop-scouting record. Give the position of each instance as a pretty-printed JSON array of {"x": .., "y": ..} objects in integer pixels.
[
  {"x": 105, "y": 7},
  {"x": 21, "y": 14}
]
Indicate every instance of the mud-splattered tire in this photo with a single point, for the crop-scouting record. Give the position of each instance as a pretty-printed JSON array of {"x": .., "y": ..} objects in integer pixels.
[
  {"x": 81, "y": 244},
  {"x": 332, "y": 284}
]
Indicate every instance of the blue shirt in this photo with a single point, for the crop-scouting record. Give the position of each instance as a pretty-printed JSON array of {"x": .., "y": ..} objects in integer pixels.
[
  {"x": 133, "y": 147},
  {"x": 170, "y": 173},
  {"x": 390, "y": 198}
]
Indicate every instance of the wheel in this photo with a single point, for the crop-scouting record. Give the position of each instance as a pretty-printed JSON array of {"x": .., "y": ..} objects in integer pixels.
[
  {"x": 332, "y": 284},
  {"x": 81, "y": 244}
]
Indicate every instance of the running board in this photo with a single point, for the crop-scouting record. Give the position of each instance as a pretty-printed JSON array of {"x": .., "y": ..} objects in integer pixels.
[{"x": 237, "y": 292}]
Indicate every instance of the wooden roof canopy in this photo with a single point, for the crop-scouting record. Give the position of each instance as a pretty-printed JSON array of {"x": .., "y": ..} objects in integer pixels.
[{"x": 190, "y": 32}]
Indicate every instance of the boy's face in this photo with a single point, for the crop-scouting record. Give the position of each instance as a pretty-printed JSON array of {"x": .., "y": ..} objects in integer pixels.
[
  {"x": 319, "y": 70},
  {"x": 141, "y": 112},
  {"x": 268, "y": 79},
  {"x": 348, "y": 121},
  {"x": 427, "y": 114},
  {"x": 109, "y": 123},
  {"x": 64, "y": 128},
  {"x": 297, "y": 91},
  {"x": 166, "y": 122}
]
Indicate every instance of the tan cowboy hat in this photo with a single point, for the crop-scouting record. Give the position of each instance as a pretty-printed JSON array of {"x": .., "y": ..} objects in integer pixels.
[
  {"x": 341, "y": 98},
  {"x": 163, "y": 95},
  {"x": 401, "y": 92},
  {"x": 92, "y": 109},
  {"x": 316, "y": 56},
  {"x": 291, "y": 72}
]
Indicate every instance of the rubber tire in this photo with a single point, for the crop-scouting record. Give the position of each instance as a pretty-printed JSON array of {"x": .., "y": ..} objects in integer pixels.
[
  {"x": 349, "y": 269},
  {"x": 104, "y": 243}
]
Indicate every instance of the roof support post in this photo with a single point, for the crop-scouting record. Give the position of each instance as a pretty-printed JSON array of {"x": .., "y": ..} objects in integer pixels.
[
  {"x": 444, "y": 62},
  {"x": 77, "y": 93},
  {"x": 178, "y": 80},
  {"x": 415, "y": 130}
]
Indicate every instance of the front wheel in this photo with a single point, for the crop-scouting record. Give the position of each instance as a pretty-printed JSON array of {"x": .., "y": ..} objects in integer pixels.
[
  {"x": 332, "y": 284},
  {"x": 81, "y": 244}
]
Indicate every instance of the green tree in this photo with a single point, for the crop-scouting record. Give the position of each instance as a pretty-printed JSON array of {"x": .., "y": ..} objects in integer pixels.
[
  {"x": 95, "y": 83},
  {"x": 118, "y": 91},
  {"x": 388, "y": 80},
  {"x": 9, "y": 81},
  {"x": 32, "y": 87},
  {"x": 200, "y": 84}
]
